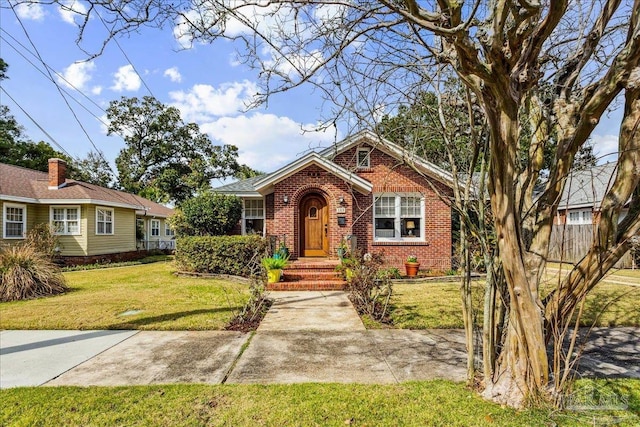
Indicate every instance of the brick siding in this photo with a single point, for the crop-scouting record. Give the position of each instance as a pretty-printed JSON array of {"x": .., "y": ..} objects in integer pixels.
[{"x": 387, "y": 174}]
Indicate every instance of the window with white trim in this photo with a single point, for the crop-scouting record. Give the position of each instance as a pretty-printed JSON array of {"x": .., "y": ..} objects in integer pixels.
[
  {"x": 168, "y": 231},
  {"x": 15, "y": 221},
  {"x": 578, "y": 217},
  {"x": 364, "y": 158},
  {"x": 65, "y": 220},
  {"x": 155, "y": 228},
  {"x": 104, "y": 221},
  {"x": 253, "y": 220},
  {"x": 398, "y": 217}
]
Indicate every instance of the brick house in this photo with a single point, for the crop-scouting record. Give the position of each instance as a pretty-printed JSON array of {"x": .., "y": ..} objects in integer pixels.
[{"x": 363, "y": 187}]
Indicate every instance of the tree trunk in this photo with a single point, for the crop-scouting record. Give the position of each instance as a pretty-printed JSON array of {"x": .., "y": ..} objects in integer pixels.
[{"x": 522, "y": 368}]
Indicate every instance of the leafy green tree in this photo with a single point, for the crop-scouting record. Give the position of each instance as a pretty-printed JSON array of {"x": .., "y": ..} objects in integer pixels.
[
  {"x": 164, "y": 158},
  {"x": 93, "y": 169},
  {"x": 207, "y": 214}
]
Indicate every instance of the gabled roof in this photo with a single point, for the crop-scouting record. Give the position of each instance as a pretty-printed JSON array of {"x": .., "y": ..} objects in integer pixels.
[
  {"x": 243, "y": 188},
  {"x": 587, "y": 187},
  {"x": 391, "y": 149},
  {"x": 18, "y": 184},
  {"x": 265, "y": 184}
]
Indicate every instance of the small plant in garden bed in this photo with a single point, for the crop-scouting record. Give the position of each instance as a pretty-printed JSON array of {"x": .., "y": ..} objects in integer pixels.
[
  {"x": 370, "y": 291},
  {"x": 249, "y": 318}
]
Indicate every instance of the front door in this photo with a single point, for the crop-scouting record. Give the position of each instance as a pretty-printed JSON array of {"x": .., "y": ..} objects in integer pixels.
[{"x": 314, "y": 226}]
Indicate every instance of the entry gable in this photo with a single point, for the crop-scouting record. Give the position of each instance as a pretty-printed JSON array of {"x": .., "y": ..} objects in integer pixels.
[
  {"x": 370, "y": 139},
  {"x": 266, "y": 184}
]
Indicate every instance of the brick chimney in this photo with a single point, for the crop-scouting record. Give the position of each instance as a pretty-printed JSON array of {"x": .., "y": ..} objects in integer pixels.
[{"x": 57, "y": 173}]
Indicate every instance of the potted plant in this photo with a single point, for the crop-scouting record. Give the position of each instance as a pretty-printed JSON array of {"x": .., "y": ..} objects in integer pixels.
[
  {"x": 412, "y": 266},
  {"x": 274, "y": 268}
]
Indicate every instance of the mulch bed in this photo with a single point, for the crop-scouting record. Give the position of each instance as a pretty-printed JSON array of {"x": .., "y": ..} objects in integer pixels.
[{"x": 251, "y": 320}]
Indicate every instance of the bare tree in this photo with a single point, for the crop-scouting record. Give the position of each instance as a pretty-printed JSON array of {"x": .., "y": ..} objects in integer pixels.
[{"x": 365, "y": 55}]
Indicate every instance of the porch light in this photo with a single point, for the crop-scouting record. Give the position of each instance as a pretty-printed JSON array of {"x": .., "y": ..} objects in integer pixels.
[
  {"x": 341, "y": 200},
  {"x": 285, "y": 200}
]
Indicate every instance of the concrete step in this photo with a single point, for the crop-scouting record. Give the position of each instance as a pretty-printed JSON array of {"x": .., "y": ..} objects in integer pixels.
[{"x": 308, "y": 285}]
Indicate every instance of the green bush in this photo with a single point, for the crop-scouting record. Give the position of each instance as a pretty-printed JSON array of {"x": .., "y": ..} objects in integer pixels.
[
  {"x": 208, "y": 214},
  {"x": 26, "y": 273},
  {"x": 236, "y": 255}
]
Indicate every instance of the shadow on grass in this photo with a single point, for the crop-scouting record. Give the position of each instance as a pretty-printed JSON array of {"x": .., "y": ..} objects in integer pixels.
[{"x": 170, "y": 317}]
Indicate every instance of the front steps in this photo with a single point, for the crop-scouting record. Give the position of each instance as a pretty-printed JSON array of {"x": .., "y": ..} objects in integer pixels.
[{"x": 310, "y": 274}]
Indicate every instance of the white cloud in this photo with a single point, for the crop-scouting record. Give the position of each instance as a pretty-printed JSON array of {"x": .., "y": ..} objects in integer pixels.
[
  {"x": 96, "y": 90},
  {"x": 265, "y": 141},
  {"x": 77, "y": 75},
  {"x": 605, "y": 147},
  {"x": 70, "y": 10},
  {"x": 126, "y": 79},
  {"x": 203, "y": 102},
  {"x": 31, "y": 11},
  {"x": 173, "y": 74}
]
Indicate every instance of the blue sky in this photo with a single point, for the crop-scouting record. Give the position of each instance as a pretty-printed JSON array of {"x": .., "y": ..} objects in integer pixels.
[{"x": 204, "y": 81}]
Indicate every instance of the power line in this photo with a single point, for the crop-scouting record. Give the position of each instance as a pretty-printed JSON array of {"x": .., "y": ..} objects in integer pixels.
[
  {"x": 38, "y": 125},
  {"x": 26, "y": 33},
  {"x": 126, "y": 56}
]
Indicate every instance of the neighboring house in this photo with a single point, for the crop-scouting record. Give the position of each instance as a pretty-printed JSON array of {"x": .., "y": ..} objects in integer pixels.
[
  {"x": 92, "y": 222},
  {"x": 583, "y": 194},
  {"x": 361, "y": 187}
]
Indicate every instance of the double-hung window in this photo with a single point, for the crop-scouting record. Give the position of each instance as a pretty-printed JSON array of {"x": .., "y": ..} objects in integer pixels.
[
  {"x": 104, "y": 221},
  {"x": 65, "y": 220},
  {"x": 168, "y": 231},
  {"x": 15, "y": 221},
  {"x": 155, "y": 228},
  {"x": 253, "y": 220},
  {"x": 399, "y": 217},
  {"x": 580, "y": 217}
]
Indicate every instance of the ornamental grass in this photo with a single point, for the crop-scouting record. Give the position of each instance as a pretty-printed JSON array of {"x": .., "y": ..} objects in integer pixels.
[{"x": 28, "y": 273}]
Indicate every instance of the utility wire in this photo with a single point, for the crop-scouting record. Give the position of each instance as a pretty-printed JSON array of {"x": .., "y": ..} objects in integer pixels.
[
  {"x": 58, "y": 75},
  {"x": 24, "y": 29},
  {"x": 38, "y": 125},
  {"x": 125, "y": 55}
]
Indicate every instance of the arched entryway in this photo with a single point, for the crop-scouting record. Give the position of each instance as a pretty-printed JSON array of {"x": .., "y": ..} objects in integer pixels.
[{"x": 314, "y": 226}]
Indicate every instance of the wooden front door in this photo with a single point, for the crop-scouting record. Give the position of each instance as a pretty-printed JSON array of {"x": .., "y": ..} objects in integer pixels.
[{"x": 314, "y": 226}]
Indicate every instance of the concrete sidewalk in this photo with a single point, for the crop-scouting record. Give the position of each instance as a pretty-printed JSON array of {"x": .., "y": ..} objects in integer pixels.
[{"x": 305, "y": 337}]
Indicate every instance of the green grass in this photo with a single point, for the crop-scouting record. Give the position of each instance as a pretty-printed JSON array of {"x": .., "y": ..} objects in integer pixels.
[
  {"x": 430, "y": 403},
  {"x": 438, "y": 305},
  {"x": 97, "y": 298}
]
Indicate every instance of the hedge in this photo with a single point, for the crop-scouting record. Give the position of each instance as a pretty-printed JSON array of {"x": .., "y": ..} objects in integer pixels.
[{"x": 220, "y": 254}]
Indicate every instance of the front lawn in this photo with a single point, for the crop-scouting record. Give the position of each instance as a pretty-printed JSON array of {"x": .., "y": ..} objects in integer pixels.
[
  {"x": 429, "y": 403},
  {"x": 438, "y": 305},
  {"x": 110, "y": 298}
]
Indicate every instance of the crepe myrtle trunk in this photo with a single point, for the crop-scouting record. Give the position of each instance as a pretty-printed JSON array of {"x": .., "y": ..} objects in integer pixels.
[{"x": 522, "y": 366}]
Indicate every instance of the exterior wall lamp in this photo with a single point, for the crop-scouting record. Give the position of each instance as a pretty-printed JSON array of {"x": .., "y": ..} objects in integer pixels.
[{"x": 285, "y": 200}]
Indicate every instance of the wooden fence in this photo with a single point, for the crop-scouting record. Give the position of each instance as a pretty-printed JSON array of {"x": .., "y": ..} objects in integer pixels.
[{"x": 577, "y": 240}]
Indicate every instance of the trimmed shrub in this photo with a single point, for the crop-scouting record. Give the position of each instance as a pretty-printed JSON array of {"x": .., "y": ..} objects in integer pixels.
[
  {"x": 220, "y": 254},
  {"x": 208, "y": 214},
  {"x": 27, "y": 274}
]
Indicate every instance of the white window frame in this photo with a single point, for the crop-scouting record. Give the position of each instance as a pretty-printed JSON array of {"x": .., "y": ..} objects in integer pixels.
[
  {"x": 151, "y": 227},
  {"x": 113, "y": 221},
  {"x": 397, "y": 224},
  {"x": 246, "y": 217},
  {"x": 66, "y": 220},
  {"x": 585, "y": 216},
  {"x": 367, "y": 157},
  {"x": 168, "y": 231},
  {"x": 4, "y": 220}
]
